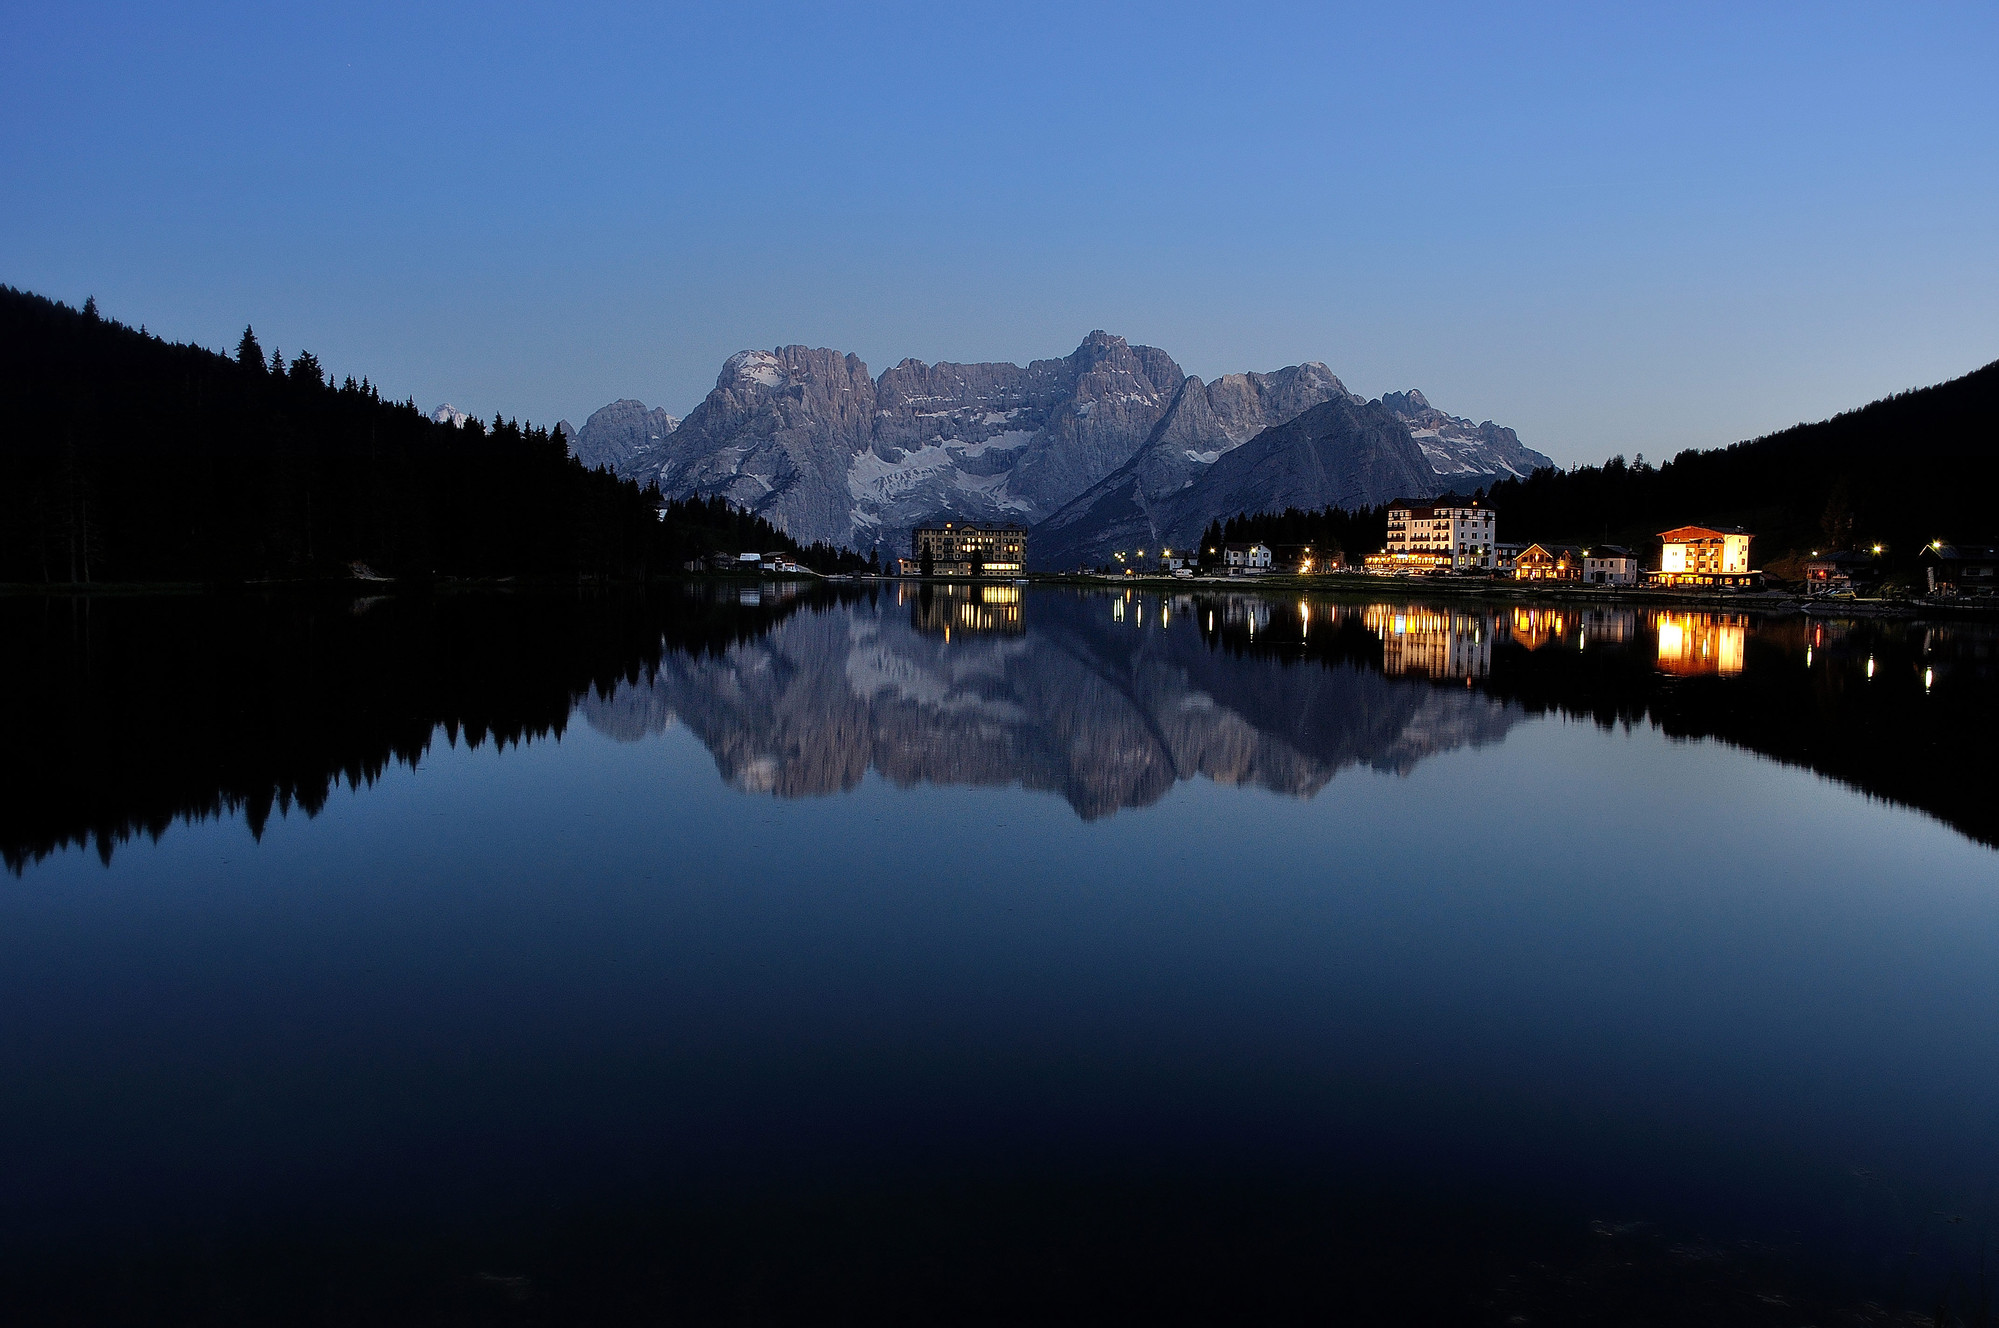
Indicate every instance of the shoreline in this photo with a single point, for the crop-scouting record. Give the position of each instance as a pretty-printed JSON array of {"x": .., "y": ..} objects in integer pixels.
[{"x": 1360, "y": 583}]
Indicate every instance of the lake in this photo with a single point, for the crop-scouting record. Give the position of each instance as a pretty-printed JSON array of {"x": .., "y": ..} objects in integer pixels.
[{"x": 992, "y": 953}]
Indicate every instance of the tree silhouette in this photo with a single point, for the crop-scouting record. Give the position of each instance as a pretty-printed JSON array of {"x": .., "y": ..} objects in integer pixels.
[
  {"x": 248, "y": 353},
  {"x": 128, "y": 458}
]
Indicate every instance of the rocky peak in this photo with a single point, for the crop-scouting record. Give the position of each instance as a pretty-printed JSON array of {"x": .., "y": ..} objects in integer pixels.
[
  {"x": 1457, "y": 447},
  {"x": 626, "y": 436},
  {"x": 805, "y": 437},
  {"x": 750, "y": 369}
]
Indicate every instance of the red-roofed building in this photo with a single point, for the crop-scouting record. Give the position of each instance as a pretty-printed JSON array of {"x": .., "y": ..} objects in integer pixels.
[{"x": 1715, "y": 556}]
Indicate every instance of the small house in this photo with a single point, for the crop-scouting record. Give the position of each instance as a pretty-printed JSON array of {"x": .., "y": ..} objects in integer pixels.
[
  {"x": 1953, "y": 568},
  {"x": 1831, "y": 573},
  {"x": 1246, "y": 559},
  {"x": 1610, "y": 565},
  {"x": 1549, "y": 562}
]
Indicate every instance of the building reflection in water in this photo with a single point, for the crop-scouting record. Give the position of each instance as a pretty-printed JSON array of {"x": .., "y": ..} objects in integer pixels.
[
  {"x": 803, "y": 689},
  {"x": 1691, "y": 643},
  {"x": 1571, "y": 626},
  {"x": 1433, "y": 642},
  {"x": 961, "y": 607}
]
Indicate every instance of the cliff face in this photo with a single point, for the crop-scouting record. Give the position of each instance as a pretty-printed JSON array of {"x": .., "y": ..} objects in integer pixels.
[
  {"x": 1343, "y": 453},
  {"x": 1101, "y": 447},
  {"x": 1316, "y": 444},
  {"x": 1130, "y": 508},
  {"x": 1458, "y": 449},
  {"x": 621, "y": 437},
  {"x": 1108, "y": 713},
  {"x": 807, "y": 439}
]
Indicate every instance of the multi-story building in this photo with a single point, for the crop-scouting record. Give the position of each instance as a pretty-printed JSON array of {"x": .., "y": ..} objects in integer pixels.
[
  {"x": 1610, "y": 565},
  {"x": 1447, "y": 533},
  {"x": 1704, "y": 556},
  {"x": 964, "y": 548}
]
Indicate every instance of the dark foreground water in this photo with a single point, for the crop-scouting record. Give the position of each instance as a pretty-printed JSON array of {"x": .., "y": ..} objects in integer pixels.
[{"x": 760, "y": 956}]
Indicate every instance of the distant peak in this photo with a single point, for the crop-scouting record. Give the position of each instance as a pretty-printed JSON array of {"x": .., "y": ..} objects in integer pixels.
[
  {"x": 451, "y": 415},
  {"x": 752, "y": 366},
  {"x": 1101, "y": 342}
]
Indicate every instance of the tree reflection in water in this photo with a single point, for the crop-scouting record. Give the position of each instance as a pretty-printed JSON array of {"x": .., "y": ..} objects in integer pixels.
[{"x": 122, "y": 715}]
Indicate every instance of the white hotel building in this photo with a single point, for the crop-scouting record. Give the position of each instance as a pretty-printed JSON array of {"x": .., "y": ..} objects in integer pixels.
[{"x": 1448, "y": 532}]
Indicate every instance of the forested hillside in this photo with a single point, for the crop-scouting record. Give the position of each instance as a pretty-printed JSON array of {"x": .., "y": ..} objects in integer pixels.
[
  {"x": 1329, "y": 530},
  {"x": 1900, "y": 472},
  {"x": 127, "y": 458}
]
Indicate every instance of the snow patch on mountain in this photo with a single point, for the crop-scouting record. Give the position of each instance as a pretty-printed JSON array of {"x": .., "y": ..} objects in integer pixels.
[
  {"x": 877, "y": 483},
  {"x": 755, "y": 366}
]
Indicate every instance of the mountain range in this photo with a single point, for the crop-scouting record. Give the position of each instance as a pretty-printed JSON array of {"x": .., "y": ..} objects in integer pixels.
[{"x": 1112, "y": 446}]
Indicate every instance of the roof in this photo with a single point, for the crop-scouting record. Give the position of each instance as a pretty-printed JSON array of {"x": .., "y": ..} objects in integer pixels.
[
  {"x": 1245, "y": 548},
  {"x": 1979, "y": 551},
  {"x": 1432, "y": 504},
  {"x": 1573, "y": 550},
  {"x": 994, "y": 528},
  {"x": 1608, "y": 551},
  {"x": 1683, "y": 534},
  {"x": 1838, "y": 560}
]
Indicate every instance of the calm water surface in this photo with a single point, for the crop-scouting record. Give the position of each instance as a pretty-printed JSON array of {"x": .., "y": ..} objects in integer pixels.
[{"x": 988, "y": 952}]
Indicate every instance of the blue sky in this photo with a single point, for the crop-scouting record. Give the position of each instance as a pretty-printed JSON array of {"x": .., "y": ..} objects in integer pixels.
[{"x": 1614, "y": 228}]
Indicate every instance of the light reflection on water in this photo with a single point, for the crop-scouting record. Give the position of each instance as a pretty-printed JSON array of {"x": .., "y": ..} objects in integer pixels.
[{"x": 1423, "y": 909}]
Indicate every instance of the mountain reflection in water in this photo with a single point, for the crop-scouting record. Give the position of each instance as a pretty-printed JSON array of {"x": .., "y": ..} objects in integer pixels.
[
  {"x": 1107, "y": 702},
  {"x": 122, "y": 715},
  {"x": 1109, "y": 699}
]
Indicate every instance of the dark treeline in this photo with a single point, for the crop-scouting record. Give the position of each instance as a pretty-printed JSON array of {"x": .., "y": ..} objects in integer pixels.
[
  {"x": 1900, "y": 472},
  {"x": 692, "y": 528},
  {"x": 1328, "y": 530},
  {"x": 128, "y": 458},
  {"x": 122, "y": 714}
]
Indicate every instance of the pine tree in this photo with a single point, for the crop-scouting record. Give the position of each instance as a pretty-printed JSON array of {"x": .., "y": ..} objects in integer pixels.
[
  {"x": 90, "y": 308},
  {"x": 248, "y": 353},
  {"x": 277, "y": 363}
]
